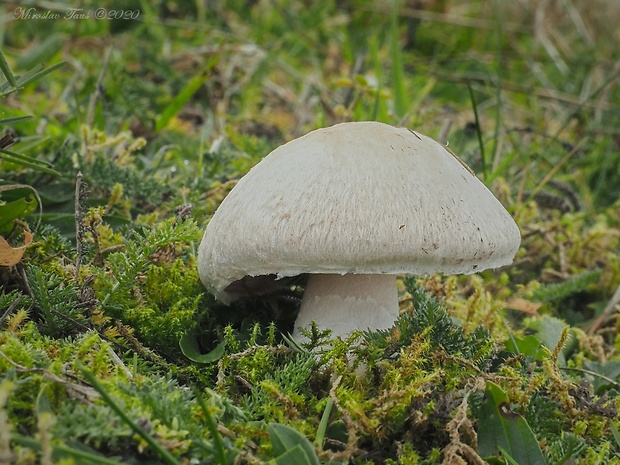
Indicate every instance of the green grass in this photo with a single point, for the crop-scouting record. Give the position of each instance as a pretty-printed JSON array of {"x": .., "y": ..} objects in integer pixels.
[{"x": 169, "y": 109}]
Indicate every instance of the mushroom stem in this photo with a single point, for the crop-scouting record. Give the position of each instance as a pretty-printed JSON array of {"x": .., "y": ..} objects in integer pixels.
[{"x": 345, "y": 303}]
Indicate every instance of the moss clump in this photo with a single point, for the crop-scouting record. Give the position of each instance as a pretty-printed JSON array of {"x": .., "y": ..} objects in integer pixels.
[{"x": 112, "y": 352}]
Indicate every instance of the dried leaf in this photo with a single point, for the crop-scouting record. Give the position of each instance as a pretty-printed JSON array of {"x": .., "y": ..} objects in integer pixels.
[
  {"x": 10, "y": 256},
  {"x": 523, "y": 305}
]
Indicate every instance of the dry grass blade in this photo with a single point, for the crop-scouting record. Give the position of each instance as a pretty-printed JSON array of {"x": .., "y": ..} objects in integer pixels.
[
  {"x": 549, "y": 176},
  {"x": 610, "y": 308}
]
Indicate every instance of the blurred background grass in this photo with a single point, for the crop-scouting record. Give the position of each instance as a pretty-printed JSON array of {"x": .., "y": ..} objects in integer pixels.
[{"x": 543, "y": 76}]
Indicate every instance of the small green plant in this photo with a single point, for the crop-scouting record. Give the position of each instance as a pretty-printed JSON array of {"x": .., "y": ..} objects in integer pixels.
[
  {"x": 13, "y": 84},
  {"x": 289, "y": 446},
  {"x": 505, "y": 432},
  {"x": 17, "y": 200}
]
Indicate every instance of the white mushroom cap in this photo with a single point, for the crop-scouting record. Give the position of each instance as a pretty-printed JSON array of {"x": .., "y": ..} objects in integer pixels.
[
  {"x": 351, "y": 205},
  {"x": 356, "y": 198}
]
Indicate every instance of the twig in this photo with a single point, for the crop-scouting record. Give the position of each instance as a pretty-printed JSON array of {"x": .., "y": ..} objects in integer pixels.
[
  {"x": 349, "y": 448},
  {"x": 79, "y": 225},
  {"x": 592, "y": 373},
  {"x": 456, "y": 450},
  {"x": 141, "y": 349},
  {"x": 119, "y": 362},
  {"x": 85, "y": 391},
  {"x": 22, "y": 274},
  {"x": 10, "y": 309}
]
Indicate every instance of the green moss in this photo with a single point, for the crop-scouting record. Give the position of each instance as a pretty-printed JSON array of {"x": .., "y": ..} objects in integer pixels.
[{"x": 413, "y": 394}]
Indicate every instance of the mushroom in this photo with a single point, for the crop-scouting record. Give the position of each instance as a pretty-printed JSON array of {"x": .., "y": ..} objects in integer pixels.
[{"x": 353, "y": 206}]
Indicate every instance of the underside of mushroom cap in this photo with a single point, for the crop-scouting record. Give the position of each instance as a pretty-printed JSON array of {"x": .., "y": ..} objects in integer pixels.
[{"x": 362, "y": 198}]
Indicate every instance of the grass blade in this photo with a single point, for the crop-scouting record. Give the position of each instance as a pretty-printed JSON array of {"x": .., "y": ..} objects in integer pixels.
[
  {"x": 15, "y": 119},
  {"x": 320, "y": 433},
  {"x": 398, "y": 76},
  {"x": 499, "y": 66},
  {"x": 27, "y": 158},
  {"x": 6, "y": 70},
  {"x": 61, "y": 450},
  {"x": 478, "y": 130},
  {"x": 29, "y": 162},
  {"x": 616, "y": 434},
  {"x": 502, "y": 167},
  {"x": 179, "y": 101},
  {"x": 166, "y": 456},
  {"x": 556, "y": 167},
  {"x": 218, "y": 443},
  {"x": 611, "y": 79},
  {"x": 38, "y": 73}
]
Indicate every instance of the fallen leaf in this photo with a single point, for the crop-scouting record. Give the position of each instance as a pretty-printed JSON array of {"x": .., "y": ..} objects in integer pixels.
[
  {"x": 10, "y": 256},
  {"x": 523, "y": 305}
]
